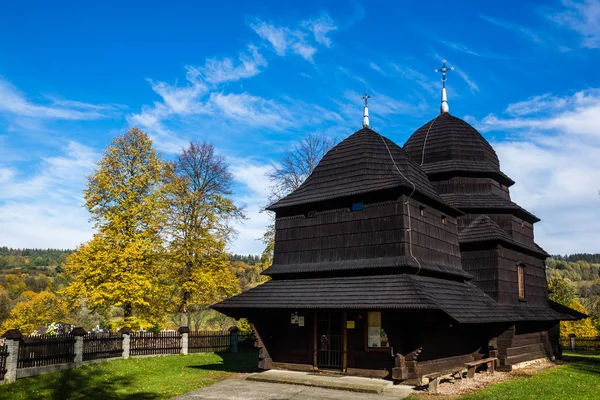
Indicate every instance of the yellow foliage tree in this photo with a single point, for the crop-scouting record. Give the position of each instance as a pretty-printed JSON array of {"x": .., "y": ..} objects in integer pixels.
[
  {"x": 583, "y": 328},
  {"x": 198, "y": 228},
  {"x": 121, "y": 265},
  {"x": 39, "y": 309}
]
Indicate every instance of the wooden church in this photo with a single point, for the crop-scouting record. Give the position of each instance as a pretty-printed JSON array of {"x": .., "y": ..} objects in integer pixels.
[{"x": 401, "y": 262}]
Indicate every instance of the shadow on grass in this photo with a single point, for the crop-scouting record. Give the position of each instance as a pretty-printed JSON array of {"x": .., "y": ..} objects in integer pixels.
[
  {"x": 584, "y": 362},
  {"x": 75, "y": 384},
  {"x": 232, "y": 362}
]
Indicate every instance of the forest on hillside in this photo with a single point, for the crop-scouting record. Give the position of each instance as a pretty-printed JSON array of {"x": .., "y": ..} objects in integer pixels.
[
  {"x": 574, "y": 280},
  {"x": 29, "y": 284}
]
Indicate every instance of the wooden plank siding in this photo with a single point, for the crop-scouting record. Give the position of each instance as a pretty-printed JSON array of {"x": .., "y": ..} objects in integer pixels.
[{"x": 380, "y": 230}]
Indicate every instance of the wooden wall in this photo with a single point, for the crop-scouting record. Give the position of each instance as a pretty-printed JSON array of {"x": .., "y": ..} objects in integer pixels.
[
  {"x": 433, "y": 241},
  {"x": 527, "y": 341},
  {"x": 286, "y": 342},
  {"x": 462, "y": 184},
  {"x": 483, "y": 265},
  {"x": 536, "y": 292},
  {"x": 379, "y": 230}
]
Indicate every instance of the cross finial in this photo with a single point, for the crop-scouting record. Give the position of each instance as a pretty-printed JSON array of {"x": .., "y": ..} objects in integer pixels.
[
  {"x": 444, "y": 108},
  {"x": 366, "y": 98}
]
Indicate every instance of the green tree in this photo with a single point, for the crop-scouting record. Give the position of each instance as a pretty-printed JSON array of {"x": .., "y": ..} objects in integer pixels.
[
  {"x": 200, "y": 212},
  {"x": 120, "y": 266},
  {"x": 561, "y": 290}
]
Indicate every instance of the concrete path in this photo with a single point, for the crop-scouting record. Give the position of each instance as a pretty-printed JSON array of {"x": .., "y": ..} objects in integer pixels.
[{"x": 241, "y": 388}]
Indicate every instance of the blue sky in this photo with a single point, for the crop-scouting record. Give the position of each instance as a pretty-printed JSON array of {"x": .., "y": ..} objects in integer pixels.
[{"x": 255, "y": 77}]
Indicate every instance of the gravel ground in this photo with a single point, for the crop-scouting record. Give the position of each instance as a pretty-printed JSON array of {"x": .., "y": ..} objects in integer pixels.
[{"x": 449, "y": 390}]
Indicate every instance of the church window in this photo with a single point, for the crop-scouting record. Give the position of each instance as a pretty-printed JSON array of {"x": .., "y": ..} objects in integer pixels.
[
  {"x": 521, "y": 280},
  {"x": 421, "y": 211},
  {"x": 376, "y": 336},
  {"x": 444, "y": 220}
]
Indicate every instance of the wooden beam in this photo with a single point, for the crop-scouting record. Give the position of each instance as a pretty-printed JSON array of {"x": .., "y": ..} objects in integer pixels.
[{"x": 345, "y": 345}]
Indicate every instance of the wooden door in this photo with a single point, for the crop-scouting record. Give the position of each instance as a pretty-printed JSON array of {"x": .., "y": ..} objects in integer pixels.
[{"x": 330, "y": 339}]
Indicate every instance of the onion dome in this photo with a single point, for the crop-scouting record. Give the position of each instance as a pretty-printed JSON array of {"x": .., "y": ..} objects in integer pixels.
[
  {"x": 362, "y": 163},
  {"x": 448, "y": 145}
]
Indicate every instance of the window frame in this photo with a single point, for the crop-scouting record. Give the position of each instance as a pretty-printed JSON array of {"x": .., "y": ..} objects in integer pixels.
[{"x": 521, "y": 281}]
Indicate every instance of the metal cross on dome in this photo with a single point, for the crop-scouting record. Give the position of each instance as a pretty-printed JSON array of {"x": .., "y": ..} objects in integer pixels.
[
  {"x": 443, "y": 70},
  {"x": 366, "y": 98}
]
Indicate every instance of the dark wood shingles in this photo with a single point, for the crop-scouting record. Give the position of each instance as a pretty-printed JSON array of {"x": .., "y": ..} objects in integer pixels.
[{"x": 359, "y": 164}]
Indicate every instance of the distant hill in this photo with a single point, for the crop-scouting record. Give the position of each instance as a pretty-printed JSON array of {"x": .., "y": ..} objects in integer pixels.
[{"x": 576, "y": 267}]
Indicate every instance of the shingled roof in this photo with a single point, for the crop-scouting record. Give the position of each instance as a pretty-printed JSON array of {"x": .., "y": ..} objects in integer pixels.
[
  {"x": 362, "y": 264},
  {"x": 360, "y": 164},
  {"x": 483, "y": 229},
  {"x": 464, "y": 302},
  {"x": 449, "y": 144},
  {"x": 486, "y": 201}
]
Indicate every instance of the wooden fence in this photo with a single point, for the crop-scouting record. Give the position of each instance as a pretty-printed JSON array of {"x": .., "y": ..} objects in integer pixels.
[
  {"x": 148, "y": 343},
  {"x": 102, "y": 345},
  {"x": 43, "y": 350},
  {"x": 209, "y": 341},
  {"x": 581, "y": 343},
  {"x": 41, "y": 354}
]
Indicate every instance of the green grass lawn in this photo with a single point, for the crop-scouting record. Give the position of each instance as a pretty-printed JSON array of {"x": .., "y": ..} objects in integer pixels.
[
  {"x": 578, "y": 378},
  {"x": 136, "y": 378}
]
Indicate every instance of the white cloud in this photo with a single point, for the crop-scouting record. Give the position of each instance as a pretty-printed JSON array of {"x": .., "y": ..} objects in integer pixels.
[
  {"x": 14, "y": 102},
  {"x": 253, "y": 110},
  {"x": 572, "y": 115},
  {"x": 582, "y": 17},
  {"x": 553, "y": 157},
  {"x": 44, "y": 209},
  {"x": 253, "y": 196},
  {"x": 320, "y": 27},
  {"x": 284, "y": 39},
  {"x": 217, "y": 71}
]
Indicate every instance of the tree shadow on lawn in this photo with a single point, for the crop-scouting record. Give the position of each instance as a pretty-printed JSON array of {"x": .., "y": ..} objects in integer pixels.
[
  {"x": 584, "y": 362},
  {"x": 79, "y": 384},
  {"x": 232, "y": 362}
]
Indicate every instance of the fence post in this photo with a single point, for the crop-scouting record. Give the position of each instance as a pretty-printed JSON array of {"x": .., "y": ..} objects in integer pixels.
[
  {"x": 78, "y": 333},
  {"x": 184, "y": 331},
  {"x": 233, "y": 331},
  {"x": 126, "y": 332},
  {"x": 13, "y": 337},
  {"x": 572, "y": 338}
]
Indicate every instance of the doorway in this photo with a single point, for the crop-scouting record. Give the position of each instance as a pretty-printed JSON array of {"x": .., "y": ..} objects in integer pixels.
[{"x": 330, "y": 339}]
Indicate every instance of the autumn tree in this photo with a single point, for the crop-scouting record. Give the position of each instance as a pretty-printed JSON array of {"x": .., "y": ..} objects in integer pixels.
[
  {"x": 198, "y": 227},
  {"x": 120, "y": 266},
  {"x": 37, "y": 309},
  {"x": 291, "y": 170},
  {"x": 583, "y": 328}
]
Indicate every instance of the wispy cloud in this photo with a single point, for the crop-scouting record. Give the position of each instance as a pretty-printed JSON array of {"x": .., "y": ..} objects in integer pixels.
[
  {"x": 582, "y": 17},
  {"x": 525, "y": 32},
  {"x": 321, "y": 27},
  {"x": 295, "y": 39},
  {"x": 14, "y": 102},
  {"x": 217, "y": 71},
  {"x": 472, "y": 85}
]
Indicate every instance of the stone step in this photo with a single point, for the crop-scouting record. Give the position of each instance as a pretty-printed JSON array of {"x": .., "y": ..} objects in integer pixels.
[{"x": 327, "y": 381}]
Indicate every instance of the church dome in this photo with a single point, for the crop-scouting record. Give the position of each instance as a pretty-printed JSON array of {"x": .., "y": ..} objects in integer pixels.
[
  {"x": 362, "y": 163},
  {"x": 448, "y": 144}
]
